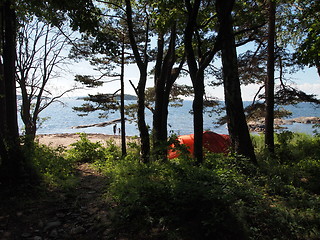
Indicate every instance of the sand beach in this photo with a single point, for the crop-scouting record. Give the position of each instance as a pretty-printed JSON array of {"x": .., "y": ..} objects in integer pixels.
[{"x": 65, "y": 139}]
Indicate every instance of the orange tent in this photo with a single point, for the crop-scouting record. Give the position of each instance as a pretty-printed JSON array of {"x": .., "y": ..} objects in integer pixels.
[{"x": 213, "y": 142}]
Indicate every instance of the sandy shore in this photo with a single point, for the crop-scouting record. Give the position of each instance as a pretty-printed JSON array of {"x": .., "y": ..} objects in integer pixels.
[{"x": 65, "y": 139}]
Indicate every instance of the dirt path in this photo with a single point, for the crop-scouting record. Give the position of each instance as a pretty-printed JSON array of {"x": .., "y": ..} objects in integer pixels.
[{"x": 78, "y": 214}]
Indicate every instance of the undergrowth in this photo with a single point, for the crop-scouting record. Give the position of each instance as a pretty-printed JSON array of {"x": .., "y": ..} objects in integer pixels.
[
  {"x": 226, "y": 197},
  {"x": 51, "y": 166}
]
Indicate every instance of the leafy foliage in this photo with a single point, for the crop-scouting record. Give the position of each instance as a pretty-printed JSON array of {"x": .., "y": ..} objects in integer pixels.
[
  {"x": 224, "y": 198},
  {"x": 85, "y": 151},
  {"x": 227, "y": 197},
  {"x": 307, "y": 51},
  {"x": 51, "y": 165}
]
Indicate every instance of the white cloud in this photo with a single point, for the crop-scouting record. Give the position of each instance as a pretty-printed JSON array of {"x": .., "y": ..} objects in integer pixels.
[
  {"x": 310, "y": 88},
  {"x": 248, "y": 92}
]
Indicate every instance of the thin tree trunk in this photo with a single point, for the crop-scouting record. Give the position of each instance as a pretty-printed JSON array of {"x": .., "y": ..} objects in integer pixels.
[
  {"x": 123, "y": 124},
  {"x": 269, "y": 84},
  {"x": 237, "y": 126},
  {"x": 25, "y": 113}
]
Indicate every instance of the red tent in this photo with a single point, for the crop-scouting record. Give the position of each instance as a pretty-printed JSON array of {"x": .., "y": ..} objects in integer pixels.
[{"x": 213, "y": 142}]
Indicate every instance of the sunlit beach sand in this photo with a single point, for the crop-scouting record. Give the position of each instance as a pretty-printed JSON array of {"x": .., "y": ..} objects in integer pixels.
[{"x": 65, "y": 139}]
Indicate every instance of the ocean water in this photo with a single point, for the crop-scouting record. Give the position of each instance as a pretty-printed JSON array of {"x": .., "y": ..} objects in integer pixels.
[{"x": 62, "y": 118}]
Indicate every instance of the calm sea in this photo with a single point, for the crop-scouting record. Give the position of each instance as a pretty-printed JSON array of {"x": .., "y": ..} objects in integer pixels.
[{"x": 61, "y": 119}]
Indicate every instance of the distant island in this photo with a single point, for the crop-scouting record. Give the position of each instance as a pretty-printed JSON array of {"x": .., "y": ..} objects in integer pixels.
[{"x": 126, "y": 97}]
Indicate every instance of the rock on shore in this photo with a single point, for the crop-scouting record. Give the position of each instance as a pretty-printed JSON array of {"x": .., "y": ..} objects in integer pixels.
[{"x": 259, "y": 126}]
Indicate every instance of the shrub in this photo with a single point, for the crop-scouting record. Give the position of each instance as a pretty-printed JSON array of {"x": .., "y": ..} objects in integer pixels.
[
  {"x": 85, "y": 151},
  {"x": 52, "y": 167},
  {"x": 173, "y": 200},
  {"x": 227, "y": 197}
]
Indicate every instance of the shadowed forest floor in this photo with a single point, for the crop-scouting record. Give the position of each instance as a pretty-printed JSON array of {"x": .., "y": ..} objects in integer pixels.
[{"x": 79, "y": 213}]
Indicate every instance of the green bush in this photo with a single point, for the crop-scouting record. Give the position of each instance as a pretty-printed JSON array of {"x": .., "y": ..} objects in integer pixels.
[
  {"x": 308, "y": 175},
  {"x": 227, "y": 197},
  {"x": 52, "y": 167},
  {"x": 85, "y": 151},
  {"x": 224, "y": 198},
  {"x": 295, "y": 162},
  {"x": 111, "y": 155},
  {"x": 173, "y": 200}
]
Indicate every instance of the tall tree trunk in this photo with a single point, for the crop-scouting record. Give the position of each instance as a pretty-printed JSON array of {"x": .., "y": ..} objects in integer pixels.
[
  {"x": 164, "y": 79},
  {"x": 197, "y": 66},
  {"x": 197, "y": 108},
  {"x": 9, "y": 56},
  {"x": 157, "y": 136},
  {"x": 196, "y": 75},
  {"x": 142, "y": 65},
  {"x": 144, "y": 133},
  {"x": 12, "y": 163},
  {"x": 3, "y": 151},
  {"x": 237, "y": 126},
  {"x": 123, "y": 124},
  {"x": 172, "y": 77},
  {"x": 269, "y": 84},
  {"x": 2, "y": 84}
]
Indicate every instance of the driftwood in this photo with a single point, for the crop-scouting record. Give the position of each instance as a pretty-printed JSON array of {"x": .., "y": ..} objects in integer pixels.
[{"x": 103, "y": 124}]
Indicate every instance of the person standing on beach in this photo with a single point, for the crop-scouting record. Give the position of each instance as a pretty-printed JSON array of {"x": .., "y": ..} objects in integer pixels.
[{"x": 114, "y": 129}]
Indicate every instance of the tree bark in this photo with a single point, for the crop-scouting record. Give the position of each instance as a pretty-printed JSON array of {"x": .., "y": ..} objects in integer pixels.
[
  {"x": 2, "y": 83},
  {"x": 9, "y": 56},
  {"x": 144, "y": 133},
  {"x": 197, "y": 68},
  {"x": 164, "y": 80},
  {"x": 197, "y": 108},
  {"x": 142, "y": 65},
  {"x": 196, "y": 76},
  {"x": 123, "y": 120},
  {"x": 25, "y": 113},
  {"x": 269, "y": 84},
  {"x": 12, "y": 161},
  {"x": 159, "y": 99},
  {"x": 237, "y": 126}
]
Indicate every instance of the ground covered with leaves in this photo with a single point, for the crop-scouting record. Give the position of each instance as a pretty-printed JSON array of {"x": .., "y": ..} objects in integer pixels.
[
  {"x": 90, "y": 192},
  {"x": 77, "y": 212}
]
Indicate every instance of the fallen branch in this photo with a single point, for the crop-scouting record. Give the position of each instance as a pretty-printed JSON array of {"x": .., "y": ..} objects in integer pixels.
[{"x": 103, "y": 124}]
